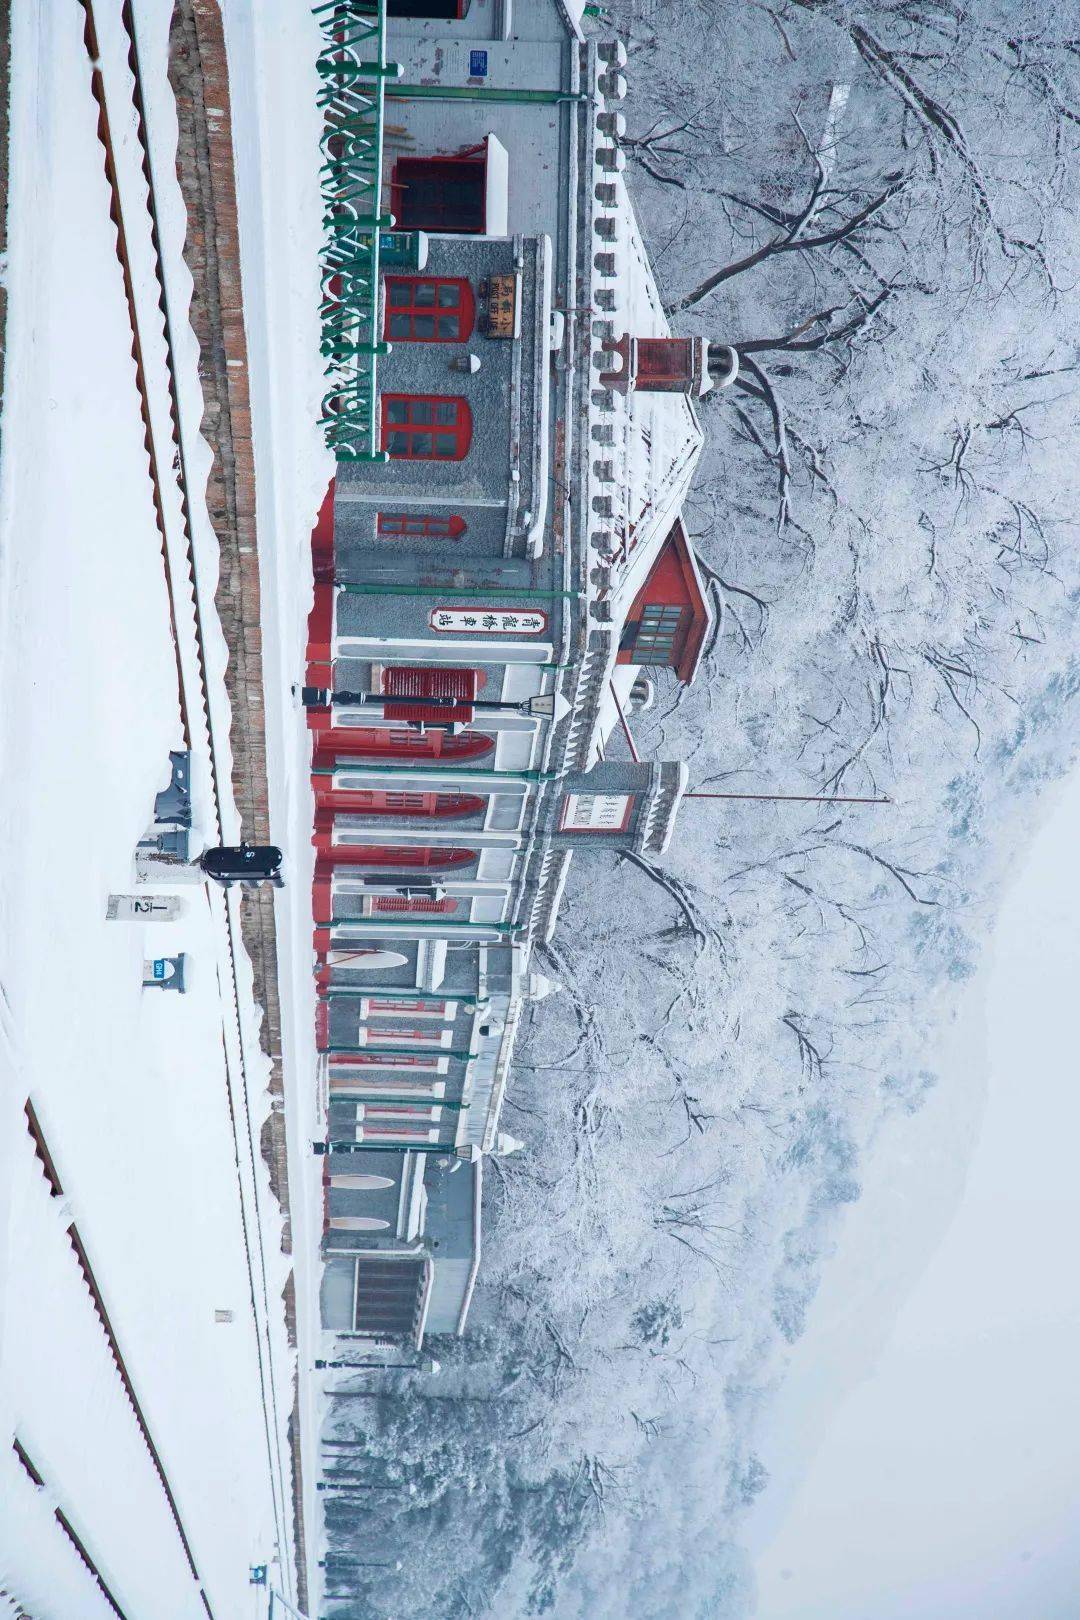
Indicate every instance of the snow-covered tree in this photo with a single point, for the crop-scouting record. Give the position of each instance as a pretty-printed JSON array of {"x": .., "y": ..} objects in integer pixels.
[{"x": 876, "y": 206}]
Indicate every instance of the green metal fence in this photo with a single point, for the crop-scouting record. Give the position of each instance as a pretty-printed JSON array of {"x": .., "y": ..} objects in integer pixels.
[{"x": 354, "y": 70}]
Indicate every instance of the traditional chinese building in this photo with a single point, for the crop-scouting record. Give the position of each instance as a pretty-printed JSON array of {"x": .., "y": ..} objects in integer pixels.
[{"x": 500, "y": 563}]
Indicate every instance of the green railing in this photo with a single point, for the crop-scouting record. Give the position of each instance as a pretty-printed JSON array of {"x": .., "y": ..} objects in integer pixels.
[{"x": 353, "y": 69}]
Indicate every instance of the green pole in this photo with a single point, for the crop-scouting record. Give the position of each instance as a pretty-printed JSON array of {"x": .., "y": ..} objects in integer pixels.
[
  {"x": 427, "y": 1102},
  {"x": 476, "y": 92},
  {"x": 403, "y": 916},
  {"x": 405, "y": 1051},
  {"x": 353, "y": 1146},
  {"x": 527, "y": 592},
  {"x": 376, "y": 771},
  {"x": 405, "y": 993}
]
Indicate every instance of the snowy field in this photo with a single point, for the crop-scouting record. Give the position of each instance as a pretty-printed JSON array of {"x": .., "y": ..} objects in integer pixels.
[{"x": 139, "y": 1095}]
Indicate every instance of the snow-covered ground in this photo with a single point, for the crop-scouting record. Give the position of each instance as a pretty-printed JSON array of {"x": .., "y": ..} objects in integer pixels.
[
  {"x": 276, "y": 129},
  {"x": 140, "y": 1095}
]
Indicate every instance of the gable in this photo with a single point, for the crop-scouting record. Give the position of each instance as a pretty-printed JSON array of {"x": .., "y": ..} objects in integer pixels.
[{"x": 670, "y": 616}]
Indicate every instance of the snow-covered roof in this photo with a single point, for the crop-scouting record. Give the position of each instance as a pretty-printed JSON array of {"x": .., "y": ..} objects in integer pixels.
[
  {"x": 575, "y": 11},
  {"x": 644, "y": 445},
  {"x": 657, "y": 436}
]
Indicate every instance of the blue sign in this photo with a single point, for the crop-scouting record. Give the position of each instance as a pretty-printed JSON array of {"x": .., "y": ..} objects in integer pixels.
[
  {"x": 478, "y": 61},
  {"x": 159, "y": 967}
]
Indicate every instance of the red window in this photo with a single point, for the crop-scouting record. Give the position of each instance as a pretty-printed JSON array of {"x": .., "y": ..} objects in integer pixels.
[
  {"x": 428, "y": 309},
  {"x": 445, "y": 10},
  {"x": 426, "y": 427},
  {"x": 440, "y": 193},
  {"x": 431, "y": 527},
  {"x": 384, "y": 1006},
  {"x": 385, "y": 742},
  {"x": 341, "y": 1062},
  {"x": 440, "y": 696},
  {"x": 412, "y": 903},
  {"x": 423, "y": 1037},
  {"x": 403, "y": 1110},
  {"x": 404, "y": 1130},
  {"x": 397, "y": 856},
  {"x": 377, "y": 802}
]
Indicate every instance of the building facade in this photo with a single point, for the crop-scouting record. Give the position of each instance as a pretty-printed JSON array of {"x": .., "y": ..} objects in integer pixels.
[{"x": 499, "y": 564}]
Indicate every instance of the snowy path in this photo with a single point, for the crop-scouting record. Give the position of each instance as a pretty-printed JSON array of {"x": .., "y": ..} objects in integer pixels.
[
  {"x": 276, "y": 130},
  {"x": 130, "y": 1088}
]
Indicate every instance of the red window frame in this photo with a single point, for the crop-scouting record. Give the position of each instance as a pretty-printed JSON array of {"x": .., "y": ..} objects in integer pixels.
[
  {"x": 429, "y": 1063},
  {"x": 411, "y": 302},
  {"x": 428, "y": 525},
  {"x": 406, "y": 905},
  {"x": 428, "y": 1038},
  {"x": 441, "y": 194},
  {"x": 393, "y": 802},
  {"x": 397, "y": 857},
  {"x": 406, "y": 1109},
  {"x": 387, "y": 1007},
  {"x": 426, "y": 427},
  {"x": 447, "y": 11},
  {"x": 398, "y": 742},
  {"x": 405, "y": 1130}
]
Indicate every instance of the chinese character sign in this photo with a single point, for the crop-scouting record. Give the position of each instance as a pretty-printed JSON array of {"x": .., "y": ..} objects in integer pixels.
[
  {"x": 465, "y": 621},
  {"x": 502, "y": 306},
  {"x": 596, "y": 812}
]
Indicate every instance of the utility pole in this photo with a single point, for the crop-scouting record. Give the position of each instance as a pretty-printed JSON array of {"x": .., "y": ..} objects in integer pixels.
[{"x": 788, "y": 798}]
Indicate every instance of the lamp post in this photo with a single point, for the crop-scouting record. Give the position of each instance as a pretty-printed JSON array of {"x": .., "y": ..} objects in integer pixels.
[{"x": 543, "y": 706}]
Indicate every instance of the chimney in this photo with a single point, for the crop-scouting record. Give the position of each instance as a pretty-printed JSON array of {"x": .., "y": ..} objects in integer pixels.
[{"x": 690, "y": 366}]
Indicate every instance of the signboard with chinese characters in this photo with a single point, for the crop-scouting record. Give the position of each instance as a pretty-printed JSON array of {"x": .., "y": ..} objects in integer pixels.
[
  {"x": 501, "y": 305},
  {"x": 472, "y": 621},
  {"x": 596, "y": 812}
]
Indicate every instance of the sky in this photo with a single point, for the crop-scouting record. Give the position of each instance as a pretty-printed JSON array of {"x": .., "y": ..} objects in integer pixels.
[{"x": 925, "y": 1450}]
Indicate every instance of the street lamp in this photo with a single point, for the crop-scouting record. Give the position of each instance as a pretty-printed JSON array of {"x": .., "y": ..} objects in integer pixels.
[{"x": 544, "y": 706}]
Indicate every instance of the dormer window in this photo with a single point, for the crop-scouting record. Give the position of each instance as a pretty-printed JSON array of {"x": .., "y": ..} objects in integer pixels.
[
  {"x": 657, "y": 634},
  {"x": 668, "y": 621}
]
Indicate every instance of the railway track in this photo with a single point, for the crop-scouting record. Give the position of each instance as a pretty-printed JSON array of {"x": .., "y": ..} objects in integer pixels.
[{"x": 203, "y": 734}]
